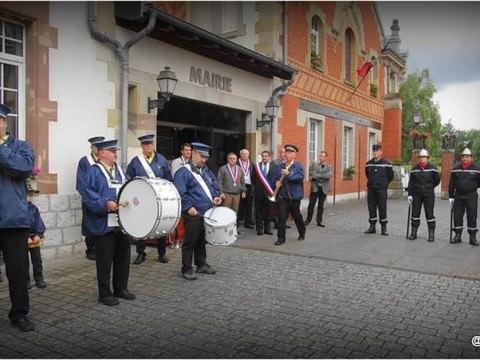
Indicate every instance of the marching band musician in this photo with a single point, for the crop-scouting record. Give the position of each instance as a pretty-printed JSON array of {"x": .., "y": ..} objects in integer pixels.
[
  {"x": 199, "y": 190},
  {"x": 184, "y": 158},
  {"x": 263, "y": 184},
  {"x": 152, "y": 165},
  {"x": 83, "y": 165},
  {"x": 462, "y": 189},
  {"x": 289, "y": 184},
  {"x": 102, "y": 183}
]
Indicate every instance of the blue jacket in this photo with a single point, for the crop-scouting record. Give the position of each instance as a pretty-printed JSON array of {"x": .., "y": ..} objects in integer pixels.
[
  {"x": 37, "y": 226},
  {"x": 379, "y": 173},
  {"x": 292, "y": 187},
  {"x": 192, "y": 193},
  {"x": 82, "y": 169},
  {"x": 16, "y": 164},
  {"x": 159, "y": 166},
  {"x": 96, "y": 193}
]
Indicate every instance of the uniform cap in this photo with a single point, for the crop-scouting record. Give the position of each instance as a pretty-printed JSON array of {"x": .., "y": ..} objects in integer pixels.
[
  {"x": 467, "y": 152},
  {"x": 146, "y": 139},
  {"x": 291, "y": 148},
  {"x": 96, "y": 139},
  {"x": 107, "y": 145},
  {"x": 423, "y": 153},
  {"x": 376, "y": 147},
  {"x": 4, "y": 111},
  {"x": 202, "y": 148}
]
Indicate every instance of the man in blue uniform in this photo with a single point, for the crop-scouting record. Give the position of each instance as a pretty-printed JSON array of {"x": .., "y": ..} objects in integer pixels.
[
  {"x": 379, "y": 174},
  {"x": 152, "y": 165},
  {"x": 462, "y": 190},
  {"x": 99, "y": 197},
  {"x": 423, "y": 179},
  {"x": 83, "y": 165},
  {"x": 289, "y": 182},
  {"x": 199, "y": 190},
  {"x": 16, "y": 164}
]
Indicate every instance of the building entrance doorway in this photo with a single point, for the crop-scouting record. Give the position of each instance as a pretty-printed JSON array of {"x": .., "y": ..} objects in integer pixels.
[{"x": 186, "y": 120}]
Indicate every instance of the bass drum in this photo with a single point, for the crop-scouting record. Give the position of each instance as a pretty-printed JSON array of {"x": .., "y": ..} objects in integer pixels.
[
  {"x": 149, "y": 208},
  {"x": 220, "y": 225}
]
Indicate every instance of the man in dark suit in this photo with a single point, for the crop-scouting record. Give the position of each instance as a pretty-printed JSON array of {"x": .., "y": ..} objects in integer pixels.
[{"x": 263, "y": 184}]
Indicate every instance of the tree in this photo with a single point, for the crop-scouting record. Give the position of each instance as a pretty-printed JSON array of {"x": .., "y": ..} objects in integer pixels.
[{"x": 417, "y": 97}]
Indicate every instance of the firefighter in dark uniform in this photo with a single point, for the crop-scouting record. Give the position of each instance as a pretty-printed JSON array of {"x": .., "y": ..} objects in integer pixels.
[
  {"x": 379, "y": 174},
  {"x": 462, "y": 190},
  {"x": 289, "y": 189},
  {"x": 424, "y": 177}
]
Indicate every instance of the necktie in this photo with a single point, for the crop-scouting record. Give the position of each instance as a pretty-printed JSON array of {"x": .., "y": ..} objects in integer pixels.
[{"x": 264, "y": 170}]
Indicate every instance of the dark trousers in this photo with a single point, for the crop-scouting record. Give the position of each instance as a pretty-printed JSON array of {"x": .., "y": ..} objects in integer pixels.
[
  {"x": 13, "y": 243},
  {"x": 262, "y": 212},
  {"x": 90, "y": 243},
  {"x": 112, "y": 248},
  {"x": 459, "y": 207},
  {"x": 36, "y": 259},
  {"x": 245, "y": 209},
  {"x": 428, "y": 202},
  {"x": 285, "y": 206},
  {"x": 377, "y": 198},
  {"x": 161, "y": 247},
  {"x": 194, "y": 245},
  {"x": 311, "y": 205}
]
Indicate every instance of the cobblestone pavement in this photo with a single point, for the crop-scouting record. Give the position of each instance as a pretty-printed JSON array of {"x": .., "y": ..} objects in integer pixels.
[{"x": 260, "y": 304}]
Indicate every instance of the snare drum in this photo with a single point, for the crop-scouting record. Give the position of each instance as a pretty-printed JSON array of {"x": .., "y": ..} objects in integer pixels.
[
  {"x": 220, "y": 225},
  {"x": 150, "y": 208}
]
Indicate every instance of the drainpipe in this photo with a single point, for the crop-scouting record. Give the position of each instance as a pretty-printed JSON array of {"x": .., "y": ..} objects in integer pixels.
[{"x": 122, "y": 52}]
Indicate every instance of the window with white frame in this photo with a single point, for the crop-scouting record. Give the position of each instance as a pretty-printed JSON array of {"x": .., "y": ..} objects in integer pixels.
[
  {"x": 12, "y": 62},
  {"x": 372, "y": 140},
  {"x": 347, "y": 151},
  {"x": 315, "y": 139},
  {"x": 349, "y": 55},
  {"x": 223, "y": 18},
  {"x": 316, "y": 41}
]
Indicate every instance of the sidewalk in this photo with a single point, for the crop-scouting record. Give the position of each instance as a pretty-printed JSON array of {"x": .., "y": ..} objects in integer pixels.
[{"x": 338, "y": 294}]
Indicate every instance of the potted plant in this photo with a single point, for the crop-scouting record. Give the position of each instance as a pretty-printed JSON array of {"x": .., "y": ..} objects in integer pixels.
[
  {"x": 348, "y": 172},
  {"x": 373, "y": 90},
  {"x": 315, "y": 60}
]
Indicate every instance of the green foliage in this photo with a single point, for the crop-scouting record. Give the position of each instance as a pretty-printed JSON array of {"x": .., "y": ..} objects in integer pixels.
[
  {"x": 417, "y": 96},
  {"x": 349, "y": 171}
]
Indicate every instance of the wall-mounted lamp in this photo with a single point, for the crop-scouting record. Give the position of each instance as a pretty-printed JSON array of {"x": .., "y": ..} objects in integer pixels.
[
  {"x": 272, "y": 110},
  {"x": 167, "y": 81}
]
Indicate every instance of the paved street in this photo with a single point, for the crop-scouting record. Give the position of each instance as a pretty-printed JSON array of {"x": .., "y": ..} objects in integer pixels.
[{"x": 338, "y": 294}]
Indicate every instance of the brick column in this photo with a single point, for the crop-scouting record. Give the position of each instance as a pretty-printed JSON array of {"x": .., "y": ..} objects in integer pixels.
[{"x": 448, "y": 161}]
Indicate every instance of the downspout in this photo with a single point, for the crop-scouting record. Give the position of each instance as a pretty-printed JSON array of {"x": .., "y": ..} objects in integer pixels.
[{"x": 122, "y": 52}]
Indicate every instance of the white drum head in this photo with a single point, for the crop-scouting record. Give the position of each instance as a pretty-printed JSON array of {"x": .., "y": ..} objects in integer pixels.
[
  {"x": 139, "y": 217},
  {"x": 220, "y": 216}
]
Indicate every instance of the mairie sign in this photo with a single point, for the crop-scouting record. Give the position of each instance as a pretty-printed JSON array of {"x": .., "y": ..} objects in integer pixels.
[{"x": 210, "y": 79}]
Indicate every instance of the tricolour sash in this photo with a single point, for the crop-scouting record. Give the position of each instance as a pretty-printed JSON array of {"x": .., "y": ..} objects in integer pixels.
[
  {"x": 263, "y": 180},
  {"x": 146, "y": 166}
]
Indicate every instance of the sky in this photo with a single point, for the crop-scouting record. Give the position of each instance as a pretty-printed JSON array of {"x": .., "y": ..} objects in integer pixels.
[{"x": 444, "y": 37}]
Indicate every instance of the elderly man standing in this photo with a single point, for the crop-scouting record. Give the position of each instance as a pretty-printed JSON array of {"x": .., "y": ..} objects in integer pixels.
[
  {"x": 231, "y": 180},
  {"x": 152, "y": 165},
  {"x": 464, "y": 182},
  {"x": 184, "y": 158},
  {"x": 83, "y": 165},
  {"x": 16, "y": 164},
  {"x": 199, "y": 190}
]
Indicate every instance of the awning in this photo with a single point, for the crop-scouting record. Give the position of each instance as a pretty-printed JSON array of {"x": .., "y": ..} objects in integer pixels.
[{"x": 179, "y": 33}]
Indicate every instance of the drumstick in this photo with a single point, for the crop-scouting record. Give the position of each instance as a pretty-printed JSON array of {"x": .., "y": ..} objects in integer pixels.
[
  {"x": 209, "y": 218},
  {"x": 123, "y": 203}
]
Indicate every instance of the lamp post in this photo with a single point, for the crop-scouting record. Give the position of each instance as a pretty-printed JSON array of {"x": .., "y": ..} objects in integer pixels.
[
  {"x": 167, "y": 81},
  {"x": 418, "y": 139},
  {"x": 272, "y": 110}
]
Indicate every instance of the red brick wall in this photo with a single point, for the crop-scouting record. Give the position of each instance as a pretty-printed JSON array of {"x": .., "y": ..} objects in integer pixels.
[{"x": 392, "y": 134}]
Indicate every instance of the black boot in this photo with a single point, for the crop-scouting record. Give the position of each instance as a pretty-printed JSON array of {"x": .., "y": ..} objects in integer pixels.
[
  {"x": 371, "y": 229},
  {"x": 457, "y": 239},
  {"x": 413, "y": 234},
  {"x": 307, "y": 221},
  {"x": 431, "y": 234},
  {"x": 473, "y": 240},
  {"x": 384, "y": 229},
  {"x": 140, "y": 258}
]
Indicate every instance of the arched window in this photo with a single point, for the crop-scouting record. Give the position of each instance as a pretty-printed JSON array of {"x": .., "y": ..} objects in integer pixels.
[
  {"x": 349, "y": 55},
  {"x": 316, "y": 42}
]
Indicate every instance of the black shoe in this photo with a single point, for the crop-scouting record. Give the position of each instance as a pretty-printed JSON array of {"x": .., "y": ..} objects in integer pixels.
[
  {"x": 109, "y": 300},
  {"x": 41, "y": 284},
  {"x": 205, "y": 269},
  {"x": 189, "y": 275},
  {"x": 29, "y": 285},
  {"x": 140, "y": 258},
  {"x": 125, "y": 294},
  {"x": 248, "y": 226},
  {"x": 301, "y": 237},
  {"x": 457, "y": 239},
  {"x": 288, "y": 226},
  {"x": 163, "y": 259},
  {"x": 268, "y": 232},
  {"x": 259, "y": 233},
  {"x": 23, "y": 324},
  {"x": 1, "y": 277},
  {"x": 306, "y": 222},
  {"x": 279, "y": 242},
  {"x": 320, "y": 224},
  {"x": 90, "y": 254},
  {"x": 474, "y": 243}
]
